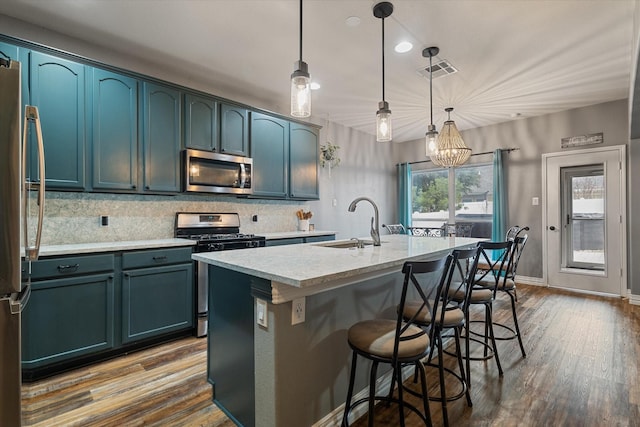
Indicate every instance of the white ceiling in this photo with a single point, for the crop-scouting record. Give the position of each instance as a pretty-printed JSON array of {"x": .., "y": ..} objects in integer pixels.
[{"x": 527, "y": 57}]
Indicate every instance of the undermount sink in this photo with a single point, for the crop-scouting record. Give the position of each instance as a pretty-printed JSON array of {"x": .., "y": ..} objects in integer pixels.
[{"x": 345, "y": 245}]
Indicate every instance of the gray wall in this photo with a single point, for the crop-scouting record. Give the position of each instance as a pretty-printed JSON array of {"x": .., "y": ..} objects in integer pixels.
[
  {"x": 523, "y": 168},
  {"x": 633, "y": 204},
  {"x": 365, "y": 169}
]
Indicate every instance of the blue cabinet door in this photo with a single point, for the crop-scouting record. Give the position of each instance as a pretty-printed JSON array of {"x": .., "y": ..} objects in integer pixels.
[
  {"x": 57, "y": 88},
  {"x": 234, "y": 130},
  {"x": 270, "y": 153},
  {"x": 156, "y": 300},
  {"x": 162, "y": 144},
  {"x": 114, "y": 124},
  {"x": 200, "y": 123},
  {"x": 67, "y": 318},
  {"x": 303, "y": 162},
  {"x": 8, "y": 51}
]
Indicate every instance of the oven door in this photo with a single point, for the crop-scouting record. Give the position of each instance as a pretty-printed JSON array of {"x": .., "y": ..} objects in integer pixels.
[{"x": 209, "y": 172}]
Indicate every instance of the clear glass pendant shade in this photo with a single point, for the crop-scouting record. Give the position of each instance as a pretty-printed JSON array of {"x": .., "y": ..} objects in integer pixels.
[
  {"x": 301, "y": 92},
  {"x": 383, "y": 123},
  {"x": 431, "y": 140}
]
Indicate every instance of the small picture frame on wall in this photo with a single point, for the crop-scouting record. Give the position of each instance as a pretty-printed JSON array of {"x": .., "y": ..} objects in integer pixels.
[{"x": 312, "y": 227}]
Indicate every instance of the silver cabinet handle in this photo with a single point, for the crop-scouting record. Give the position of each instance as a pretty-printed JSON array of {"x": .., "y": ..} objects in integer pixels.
[
  {"x": 31, "y": 115},
  {"x": 66, "y": 268}
]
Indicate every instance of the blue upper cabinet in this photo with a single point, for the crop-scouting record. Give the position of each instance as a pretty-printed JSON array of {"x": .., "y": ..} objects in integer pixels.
[
  {"x": 162, "y": 143},
  {"x": 57, "y": 88},
  {"x": 234, "y": 130},
  {"x": 303, "y": 162},
  {"x": 115, "y": 131},
  {"x": 270, "y": 153},
  {"x": 8, "y": 51},
  {"x": 200, "y": 123}
]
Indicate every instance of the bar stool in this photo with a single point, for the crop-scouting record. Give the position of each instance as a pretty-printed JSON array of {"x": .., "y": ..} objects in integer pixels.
[
  {"x": 398, "y": 342},
  {"x": 484, "y": 294},
  {"x": 395, "y": 228},
  {"x": 507, "y": 284},
  {"x": 449, "y": 316}
]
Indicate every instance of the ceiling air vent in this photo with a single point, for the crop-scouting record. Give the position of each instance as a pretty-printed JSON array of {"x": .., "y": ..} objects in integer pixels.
[{"x": 440, "y": 69}]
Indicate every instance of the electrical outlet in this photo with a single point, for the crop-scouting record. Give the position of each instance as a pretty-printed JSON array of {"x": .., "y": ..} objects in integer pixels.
[
  {"x": 297, "y": 310},
  {"x": 261, "y": 312},
  {"x": 535, "y": 201}
]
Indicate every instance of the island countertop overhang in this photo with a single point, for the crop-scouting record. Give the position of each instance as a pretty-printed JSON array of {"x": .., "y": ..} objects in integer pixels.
[{"x": 312, "y": 264}]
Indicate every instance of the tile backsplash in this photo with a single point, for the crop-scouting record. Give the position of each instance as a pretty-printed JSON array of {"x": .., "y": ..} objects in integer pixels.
[{"x": 75, "y": 217}]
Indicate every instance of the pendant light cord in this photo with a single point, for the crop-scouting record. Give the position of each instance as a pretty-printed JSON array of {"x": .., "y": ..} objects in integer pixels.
[
  {"x": 300, "y": 30},
  {"x": 430, "y": 88},
  {"x": 383, "y": 60}
]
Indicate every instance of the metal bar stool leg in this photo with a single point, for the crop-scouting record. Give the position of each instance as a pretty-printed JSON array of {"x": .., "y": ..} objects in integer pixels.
[
  {"x": 515, "y": 321},
  {"x": 352, "y": 379}
]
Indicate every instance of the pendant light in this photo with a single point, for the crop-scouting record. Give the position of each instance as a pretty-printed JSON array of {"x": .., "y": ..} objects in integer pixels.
[
  {"x": 431, "y": 137},
  {"x": 451, "y": 150},
  {"x": 301, "y": 84},
  {"x": 383, "y": 116}
]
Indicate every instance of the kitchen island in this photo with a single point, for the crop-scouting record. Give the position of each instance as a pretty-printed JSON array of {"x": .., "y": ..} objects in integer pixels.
[{"x": 285, "y": 374}]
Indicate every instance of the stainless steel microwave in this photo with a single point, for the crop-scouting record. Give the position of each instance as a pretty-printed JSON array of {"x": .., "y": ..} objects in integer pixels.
[{"x": 208, "y": 172}]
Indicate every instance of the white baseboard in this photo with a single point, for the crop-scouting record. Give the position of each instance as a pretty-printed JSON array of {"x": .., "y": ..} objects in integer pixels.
[
  {"x": 535, "y": 281},
  {"x": 334, "y": 418},
  {"x": 634, "y": 299}
]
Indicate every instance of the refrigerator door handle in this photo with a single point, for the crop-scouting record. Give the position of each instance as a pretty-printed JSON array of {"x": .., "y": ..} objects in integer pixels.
[
  {"x": 31, "y": 115},
  {"x": 18, "y": 301}
]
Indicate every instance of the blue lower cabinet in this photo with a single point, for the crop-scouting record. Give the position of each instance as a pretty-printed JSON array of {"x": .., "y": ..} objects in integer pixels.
[
  {"x": 89, "y": 307},
  {"x": 325, "y": 238},
  {"x": 282, "y": 242},
  {"x": 67, "y": 318},
  {"x": 296, "y": 240},
  {"x": 156, "y": 301}
]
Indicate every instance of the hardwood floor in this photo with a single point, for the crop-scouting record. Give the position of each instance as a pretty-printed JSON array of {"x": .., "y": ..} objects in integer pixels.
[
  {"x": 162, "y": 386},
  {"x": 581, "y": 370},
  {"x": 581, "y": 367}
]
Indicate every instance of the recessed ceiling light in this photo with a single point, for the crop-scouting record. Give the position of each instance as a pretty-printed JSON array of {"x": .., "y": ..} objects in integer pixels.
[
  {"x": 403, "y": 47},
  {"x": 353, "y": 21},
  {"x": 315, "y": 85}
]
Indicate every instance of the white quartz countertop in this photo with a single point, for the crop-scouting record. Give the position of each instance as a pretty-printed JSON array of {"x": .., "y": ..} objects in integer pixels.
[
  {"x": 81, "y": 248},
  {"x": 311, "y": 264},
  {"x": 294, "y": 234}
]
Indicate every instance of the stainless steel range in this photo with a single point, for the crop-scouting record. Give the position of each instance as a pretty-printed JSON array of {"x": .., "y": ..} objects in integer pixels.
[{"x": 213, "y": 232}]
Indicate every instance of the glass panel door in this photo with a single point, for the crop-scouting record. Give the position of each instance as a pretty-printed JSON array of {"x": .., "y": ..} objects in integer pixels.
[{"x": 583, "y": 211}]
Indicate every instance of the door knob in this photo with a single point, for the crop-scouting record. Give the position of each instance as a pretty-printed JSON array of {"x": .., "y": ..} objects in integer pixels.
[{"x": 552, "y": 228}]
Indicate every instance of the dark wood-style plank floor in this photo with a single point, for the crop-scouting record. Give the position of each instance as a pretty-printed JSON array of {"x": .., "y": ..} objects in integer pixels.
[{"x": 581, "y": 370}]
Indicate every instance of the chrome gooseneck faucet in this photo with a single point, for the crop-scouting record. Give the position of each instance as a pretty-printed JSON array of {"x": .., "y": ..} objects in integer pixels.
[{"x": 375, "y": 229}]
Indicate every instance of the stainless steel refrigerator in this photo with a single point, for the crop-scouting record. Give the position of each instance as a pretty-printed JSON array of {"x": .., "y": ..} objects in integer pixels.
[{"x": 15, "y": 231}]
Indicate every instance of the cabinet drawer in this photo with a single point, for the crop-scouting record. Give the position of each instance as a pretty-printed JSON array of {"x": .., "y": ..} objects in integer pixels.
[
  {"x": 281, "y": 242},
  {"x": 313, "y": 239},
  {"x": 71, "y": 266},
  {"x": 152, "y": 258}
]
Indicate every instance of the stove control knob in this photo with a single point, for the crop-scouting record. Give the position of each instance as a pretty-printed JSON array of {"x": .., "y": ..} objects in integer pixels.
[{"x": 216, "y": 246}]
